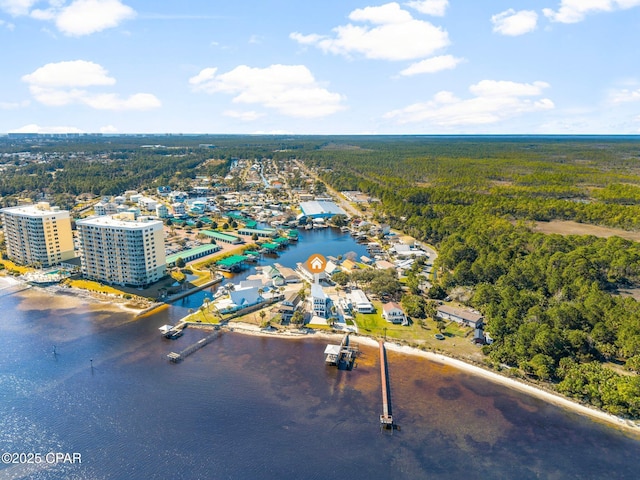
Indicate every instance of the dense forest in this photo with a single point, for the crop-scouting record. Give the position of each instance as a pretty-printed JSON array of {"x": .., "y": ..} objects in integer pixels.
[{"x": 551, "y": 302}]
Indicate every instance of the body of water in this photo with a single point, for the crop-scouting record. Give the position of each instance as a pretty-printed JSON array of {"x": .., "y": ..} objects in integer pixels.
[
  {"x": 248, "y": 407},
  {"x": 326, "y": 241}
]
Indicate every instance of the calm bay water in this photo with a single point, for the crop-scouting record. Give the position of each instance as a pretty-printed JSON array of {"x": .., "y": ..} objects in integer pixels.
[{"x": 252, "y": 407}]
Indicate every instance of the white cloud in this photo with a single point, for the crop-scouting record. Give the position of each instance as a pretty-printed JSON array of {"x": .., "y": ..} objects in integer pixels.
[
  {"x": 493, "y": 88},
  {"x": 514, "y": 23},
  {"x": 436, "y": 8},
  {"x": 432, "y": 65},
  {"x": 573, "y": 11},
  {"x": 7, "y": 25},
  {"x": 65, "y": 83},
  {"x": 34, "y": 128},
  {"x": 245, "y": 116},
  {"x": 289, "y": 89},
  {"x": 382, "y": 15},
  {"x": 108, "y": 129},
  {"x": 78, "y": 18},
  {"x": 206, "y": 75},
  {"x": 16, "y": 8},
  {"x": 395, "y": 35},
  {"x": 75, "y": 73},
  {"x": 493, "y": 101},
  {"x": 84, "y": 17},
  {"x": 624, "y": 96}
]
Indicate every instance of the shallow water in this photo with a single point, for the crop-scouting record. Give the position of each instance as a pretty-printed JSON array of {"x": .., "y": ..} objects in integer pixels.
[{"x": 255, "y": 407}]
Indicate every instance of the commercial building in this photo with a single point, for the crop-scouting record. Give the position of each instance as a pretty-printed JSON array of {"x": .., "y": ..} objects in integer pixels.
[
  {"x": 38, "y": 235},
  {"x": 320, "y": 209},
  {"x": 122, "y": 251}
]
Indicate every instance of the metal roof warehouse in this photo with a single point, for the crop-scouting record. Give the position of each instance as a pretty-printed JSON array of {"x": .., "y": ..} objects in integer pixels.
[{"x": 320, "y": 209}]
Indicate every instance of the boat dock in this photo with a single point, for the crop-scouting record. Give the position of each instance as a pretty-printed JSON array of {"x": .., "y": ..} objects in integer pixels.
[
  {"x": 178, "y": 357},
  {"x": 172, "y": 332},
  {"x": 386, "y": 419},
  {"x": 342, "y": 356}
]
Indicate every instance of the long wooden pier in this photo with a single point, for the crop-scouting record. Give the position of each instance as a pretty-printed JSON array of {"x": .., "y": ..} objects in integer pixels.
[
  {"x": 386, "y": 419},
  {"x": 177, "y": 357}
]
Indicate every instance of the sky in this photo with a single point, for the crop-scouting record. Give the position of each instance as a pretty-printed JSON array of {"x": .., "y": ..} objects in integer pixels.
[{"x": 332, "y": 67}]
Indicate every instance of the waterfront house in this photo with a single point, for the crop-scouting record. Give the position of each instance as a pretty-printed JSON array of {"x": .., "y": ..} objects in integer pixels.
[
  {"x": 392, "y": 312},
  {"x": 348, "y": 266},
  {"x": 245, "y": 297},
  {"x": 467, "y": 318},
  {"x": 289, "y": 305},
  {"x": 306, "y": 274},
  {"x": 360, "y": 302},
  {"x": 287, "y": 273},
  {"x": 319, "y": 301}
]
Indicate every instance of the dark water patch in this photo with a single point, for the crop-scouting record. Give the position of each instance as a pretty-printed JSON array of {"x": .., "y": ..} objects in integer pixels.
[{"x": 449, "y": 393}]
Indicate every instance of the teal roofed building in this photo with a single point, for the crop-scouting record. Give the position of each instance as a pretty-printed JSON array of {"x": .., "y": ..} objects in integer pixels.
[
  {"x": 260, "y": 232},
  {"x": 192, "y": 254},
  {"x": 222, "y": 237}
]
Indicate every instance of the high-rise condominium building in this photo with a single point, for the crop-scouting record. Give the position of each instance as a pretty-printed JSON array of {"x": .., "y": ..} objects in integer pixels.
[
  {"x": 38, "y": 235},
  {"x": 121, "y": 251}
]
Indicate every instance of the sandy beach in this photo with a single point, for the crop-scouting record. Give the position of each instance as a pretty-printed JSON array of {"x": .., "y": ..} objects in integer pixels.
[
  {"x": 9, "y": 285},
  {"x": 533, "y": 390}
]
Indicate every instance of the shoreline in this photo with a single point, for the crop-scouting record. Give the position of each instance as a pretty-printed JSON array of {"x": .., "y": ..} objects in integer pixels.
[
  {"x": 553, "y": 398},
  {"x": 242, "y": 328},
  {"x": 77, "y": 293}
]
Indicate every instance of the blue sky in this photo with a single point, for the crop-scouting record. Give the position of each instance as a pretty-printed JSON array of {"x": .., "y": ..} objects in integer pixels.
[{"x": 331, "y": 67}]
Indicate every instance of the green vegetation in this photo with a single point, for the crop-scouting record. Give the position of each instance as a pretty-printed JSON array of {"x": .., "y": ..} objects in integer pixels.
[{"x": 550, "y": 301}]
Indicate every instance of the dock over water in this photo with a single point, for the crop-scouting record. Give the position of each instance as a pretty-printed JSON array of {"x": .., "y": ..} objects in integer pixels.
[
  {"x": 386, "y": 419},
  {"x": 343, "y": 355},
  {"x": 178, "y": 357}
]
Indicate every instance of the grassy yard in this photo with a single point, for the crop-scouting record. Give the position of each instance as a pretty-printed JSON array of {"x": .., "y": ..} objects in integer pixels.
[
  {"x": 203, "y": 316},
  {"x": 457, "y": 339}
]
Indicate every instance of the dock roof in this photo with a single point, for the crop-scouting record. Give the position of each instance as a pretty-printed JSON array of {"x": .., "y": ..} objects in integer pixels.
[
  {"x": 186, "y": 255},
  {"x": 231, "y": 261}
]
